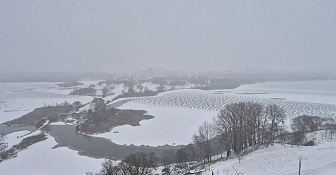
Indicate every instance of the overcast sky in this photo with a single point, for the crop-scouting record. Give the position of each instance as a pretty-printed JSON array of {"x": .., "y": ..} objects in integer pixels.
[{"x": 109, "y": 35}]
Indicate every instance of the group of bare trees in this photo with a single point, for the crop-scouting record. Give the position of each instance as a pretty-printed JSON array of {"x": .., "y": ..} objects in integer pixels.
[
  {"x": 203, "y": 140},
  {"x": 306, "y": 123},
  {"x": 241, "y": 125},
  {"x": 141, "y": 163},
  {"x": 90, "y": 91},
  {"x": 238, "y": 126}
]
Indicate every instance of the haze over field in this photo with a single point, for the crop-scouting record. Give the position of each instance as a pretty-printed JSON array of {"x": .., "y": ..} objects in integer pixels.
[{"x": 109, "y": 36}]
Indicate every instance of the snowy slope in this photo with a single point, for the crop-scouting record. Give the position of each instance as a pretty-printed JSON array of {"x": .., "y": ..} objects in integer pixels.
[{"x": 283, "y": 160}]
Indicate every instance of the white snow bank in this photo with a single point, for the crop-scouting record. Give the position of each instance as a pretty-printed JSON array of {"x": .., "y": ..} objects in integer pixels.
[{"x": 15, "y": 138}]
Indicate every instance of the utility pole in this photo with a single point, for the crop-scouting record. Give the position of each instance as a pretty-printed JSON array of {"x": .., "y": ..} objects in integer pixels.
[{"x": 300, "y": 160}]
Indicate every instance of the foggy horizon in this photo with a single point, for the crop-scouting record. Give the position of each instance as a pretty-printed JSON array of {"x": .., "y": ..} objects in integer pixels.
[
  {"x": 119, "y": 36},
  {"x": 167, "y": 87}
]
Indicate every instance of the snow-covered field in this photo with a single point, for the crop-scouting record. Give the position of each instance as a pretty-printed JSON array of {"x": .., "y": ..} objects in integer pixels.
[
  {"x": 170, "y": 126},
  {"x": 178, "y": 113},
  {"x": 216, "y": 100},
  {"x": 40, "y": 159},
  {"x": 283, "y": 160},
  {"x": 304, "y": 91},
  {"x": 17, "y": 99}
]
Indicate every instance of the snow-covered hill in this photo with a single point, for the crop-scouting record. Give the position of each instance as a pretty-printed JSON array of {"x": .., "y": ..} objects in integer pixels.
[{"x": 283, "y": 160}]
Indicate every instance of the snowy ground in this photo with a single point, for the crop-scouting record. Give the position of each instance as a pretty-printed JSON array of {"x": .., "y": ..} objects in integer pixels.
[
  {"x": 40, "y": 159},
  {"x": 15, "y": 138},
  {"x": 282, "y": 160},
  {"x": 171, "y": 126},
  {"x": 304, "y": 91},
  {"x": 216, "y": 100},
  {"x": 118, "y": 89},
  {"x": 178, "y": 113}
]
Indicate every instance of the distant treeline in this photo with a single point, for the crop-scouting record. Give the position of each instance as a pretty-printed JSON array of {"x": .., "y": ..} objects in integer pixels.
[
  {"x": 84, "y": 91},
  {"x": 69, "y": 84},
  {"x": 199, "y": 82}
]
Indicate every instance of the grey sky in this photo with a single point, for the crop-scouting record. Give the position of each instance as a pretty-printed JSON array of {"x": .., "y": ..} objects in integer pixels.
[{"x": 108, "y": 35}]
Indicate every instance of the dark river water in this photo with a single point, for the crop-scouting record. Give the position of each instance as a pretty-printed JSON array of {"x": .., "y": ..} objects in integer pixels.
[
  {"x": 66, "y": 136},
  {"x": 10, "y": 129}
]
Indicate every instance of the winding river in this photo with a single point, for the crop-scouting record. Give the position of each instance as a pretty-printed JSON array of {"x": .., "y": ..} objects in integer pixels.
[{"x": 66, "y": 136}]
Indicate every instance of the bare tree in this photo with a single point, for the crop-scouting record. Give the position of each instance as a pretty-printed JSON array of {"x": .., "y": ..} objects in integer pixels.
[
  {"x": 140, "y": 163},
  {"x": 97, "y": 104},
  {"x": 276, "y": 115},
  {"x": 232, "y": 123},
  {"x": 109, "y": 167},
  {"x": 296, "y": 138},
  {"x": 186, "y": 154},
  {"x": 202, "y": 139},
  {"x": 306, "y": 123},
  {"x": 76, "y": 105},
  {"x": 167, "y": 159},
  {"x": 104, "y": 92},
  {"x": 244, "y": 124}
]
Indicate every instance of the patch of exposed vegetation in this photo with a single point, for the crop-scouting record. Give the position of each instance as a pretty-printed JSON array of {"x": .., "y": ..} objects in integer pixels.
[
  {"x": 146, "y": 93},
  {"x": 90, "y": 91},
  {"x": 104, "y": 120},
  {"x": 25, "y": 143},
  {"x": 69, "y": 84},
  {"x": 52, "y": 113}
]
